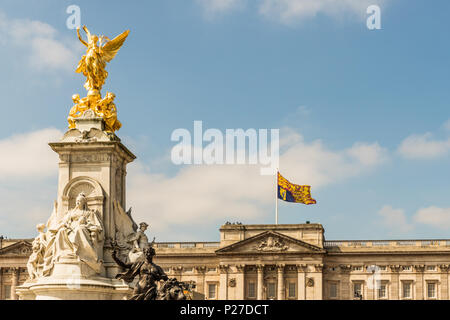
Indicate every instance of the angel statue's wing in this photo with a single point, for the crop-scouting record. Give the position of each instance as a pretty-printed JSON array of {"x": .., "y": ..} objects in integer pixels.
[{"x": 110, "y": 48}]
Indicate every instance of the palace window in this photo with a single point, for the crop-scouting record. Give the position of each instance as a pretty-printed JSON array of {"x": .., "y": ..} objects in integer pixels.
[
  {"x": 251, "y": 289},
  {"x": 382, "y": 291},
  {"x": 431, "y": 290},
  {"x": 291, "y": 290},
  {"x": 357, "y": 290},
  {"x": 212, "y": 291},
  {"x": 271, "y": 290},
  {"x": 333, "y": 290},
  {"x": 406, "y": 290}
]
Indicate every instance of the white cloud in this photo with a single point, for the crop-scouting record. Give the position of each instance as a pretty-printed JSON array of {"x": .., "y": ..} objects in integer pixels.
[
  {"x": 423, "y": 146},
  {"x": 294, "y": 11},
  {"x": 207, "y": 195},
  {"x": 314, "y": 164},
  {"x": 28, "y": 181},
  {"x": 395, "y": 219},
  {"x": 28, "y": 156},
  {"x": 213, "y": 7},
  {"x": 434, "y": 216},
  {"x": 40, "y": 43}
]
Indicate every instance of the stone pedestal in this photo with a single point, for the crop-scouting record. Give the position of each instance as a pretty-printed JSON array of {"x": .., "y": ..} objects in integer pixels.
[
  {"x": 74, "y": 289},
  {"x": 92, "y": 162}
]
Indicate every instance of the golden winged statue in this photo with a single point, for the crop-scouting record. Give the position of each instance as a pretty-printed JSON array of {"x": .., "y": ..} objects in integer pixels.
[{"x": 100, "y": 50}]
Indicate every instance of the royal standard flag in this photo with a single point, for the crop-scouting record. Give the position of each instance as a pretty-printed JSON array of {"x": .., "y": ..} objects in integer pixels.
[{"x": 293, "y": 192}]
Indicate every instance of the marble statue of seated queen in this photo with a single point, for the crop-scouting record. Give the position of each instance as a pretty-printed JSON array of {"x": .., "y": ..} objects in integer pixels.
[{"x": 78, "y": 236}]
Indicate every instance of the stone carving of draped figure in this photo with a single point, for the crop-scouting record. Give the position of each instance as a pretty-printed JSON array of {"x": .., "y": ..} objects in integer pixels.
[{"x": 79, "y": 235}]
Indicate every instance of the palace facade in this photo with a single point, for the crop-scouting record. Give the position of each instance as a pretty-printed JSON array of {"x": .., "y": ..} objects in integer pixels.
[{"x": 295, "y": 262}]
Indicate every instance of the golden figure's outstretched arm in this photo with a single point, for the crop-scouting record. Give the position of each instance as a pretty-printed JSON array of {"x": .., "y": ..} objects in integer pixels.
[
  {"x": 87, "y": 32},
  {"x": 79, "y": 37}
]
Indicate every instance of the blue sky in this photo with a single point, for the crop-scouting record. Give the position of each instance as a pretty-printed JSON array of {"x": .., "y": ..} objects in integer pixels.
[{"x": 364, "y": 113}]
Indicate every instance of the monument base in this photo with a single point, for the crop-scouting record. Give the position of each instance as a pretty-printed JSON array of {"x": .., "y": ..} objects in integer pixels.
[
  {"x": 69, "y": 289},
  {"x": 72, "y": 280}
]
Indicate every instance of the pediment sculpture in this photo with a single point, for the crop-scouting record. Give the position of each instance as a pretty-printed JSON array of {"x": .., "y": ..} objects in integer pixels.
[{"x": 272, "y": 244}]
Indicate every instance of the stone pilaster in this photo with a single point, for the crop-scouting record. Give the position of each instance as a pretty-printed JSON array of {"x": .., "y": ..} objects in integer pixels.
[
  {"x": 280, "y": 282},
  {"x": 301, "y": 281},
  {"x": 178, "y": 272},
  {"x": 318, "y": 291},
  {"x": 260, "y": 286},
  {"x": 223, "y": 284},
  {"x": 346, "y": 288},
  {"x": 444, "y": 268},
  {"x": 14, "y": 282},
  {"x": 395, "y": 290},
  {"x": 1, "y": 283},
  {"x": 201, "y": 284},
  {"x": 419, "y": 269},
  {"x": 240, "y": 282}
]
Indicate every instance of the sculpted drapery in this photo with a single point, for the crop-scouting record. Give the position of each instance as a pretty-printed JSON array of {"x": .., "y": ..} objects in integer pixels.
[{"x": 79, "y": 235}]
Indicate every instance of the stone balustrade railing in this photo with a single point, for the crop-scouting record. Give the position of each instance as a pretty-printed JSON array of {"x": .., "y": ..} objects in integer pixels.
[
  {"x": 187, "y": 245},
  {"x": 327, "y": 244},
  {"x": 386, "y": 243}
]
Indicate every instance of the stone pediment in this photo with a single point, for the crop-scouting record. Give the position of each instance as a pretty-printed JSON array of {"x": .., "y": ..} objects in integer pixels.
[
  {"x": 20, "y": 248},
  {"x": 270, "y": 242}
]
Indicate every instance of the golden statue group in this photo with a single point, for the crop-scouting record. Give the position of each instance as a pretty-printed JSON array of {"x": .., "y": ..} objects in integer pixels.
[{"x": 100, "y": 50}]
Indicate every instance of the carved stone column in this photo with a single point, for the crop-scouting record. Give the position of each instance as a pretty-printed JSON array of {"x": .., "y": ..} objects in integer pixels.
[
  {"x": 444, "y": 268},
  {"x": 395, "y": 291},
  {"x": 14, "y": 282},
  {"x": 260, "y": 286},
  {"x": 419, "y": 281},
  {"x": 223, "y": 284},
  {"x": 240, "y": 282},
  {"x": 301, "y": 281},
  {"x": 346, "y": 293},
  {"x": 280, "y": 281}
]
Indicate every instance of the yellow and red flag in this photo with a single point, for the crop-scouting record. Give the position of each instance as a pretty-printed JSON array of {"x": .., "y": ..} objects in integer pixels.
[{"x": 293, "y": 192}]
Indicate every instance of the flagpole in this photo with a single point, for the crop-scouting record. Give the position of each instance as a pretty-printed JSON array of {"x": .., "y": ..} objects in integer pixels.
[{"x": 276, "y": 198}]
